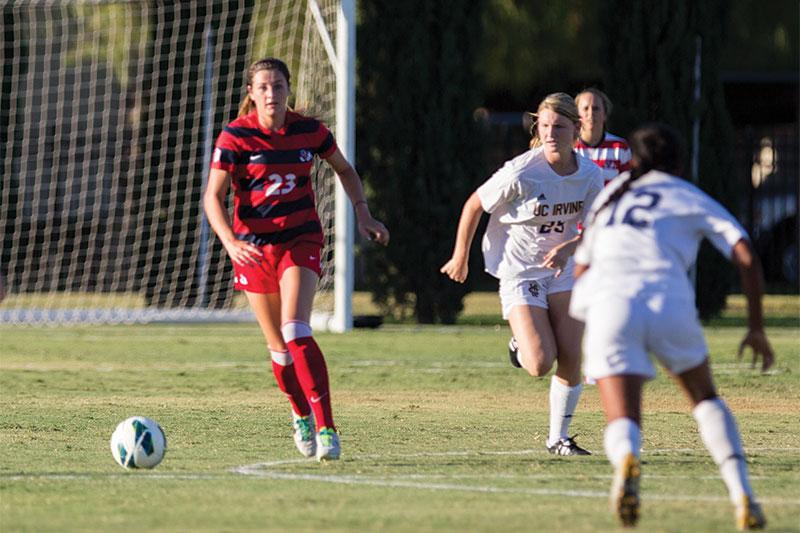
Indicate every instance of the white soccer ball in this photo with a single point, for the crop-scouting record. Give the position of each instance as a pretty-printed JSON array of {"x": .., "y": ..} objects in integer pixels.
[{"x": 138, "y": 442}]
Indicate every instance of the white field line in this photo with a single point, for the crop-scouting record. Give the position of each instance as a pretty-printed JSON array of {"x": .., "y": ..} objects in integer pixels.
[
  {"x": 270, "y": 470},
  {"x": 263, "y": 470},
  {"x": 393, "y": 482}
]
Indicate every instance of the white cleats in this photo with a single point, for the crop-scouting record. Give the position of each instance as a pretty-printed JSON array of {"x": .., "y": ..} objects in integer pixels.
[
  {"x": 327, "y": 445},
  {"x": 303, "y": 428}
]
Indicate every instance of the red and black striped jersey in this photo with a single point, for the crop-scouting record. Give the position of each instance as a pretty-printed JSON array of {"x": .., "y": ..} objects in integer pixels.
[
  {"x": 273, "y": 200},
  {"x": 612, "y": 154}
]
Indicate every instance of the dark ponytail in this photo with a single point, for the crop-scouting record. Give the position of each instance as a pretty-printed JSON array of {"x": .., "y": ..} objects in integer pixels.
[{"x": 655, "y": 146}]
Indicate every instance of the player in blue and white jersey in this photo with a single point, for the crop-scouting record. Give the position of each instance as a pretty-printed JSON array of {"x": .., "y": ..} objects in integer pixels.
[
  {"x": 634, "y": 295},
  {"x": 536, "y": 201}
]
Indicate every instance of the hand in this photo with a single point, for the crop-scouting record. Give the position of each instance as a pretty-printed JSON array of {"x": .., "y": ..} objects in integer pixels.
[
  {"x": 557, "y": 258},
  {"x": 456, "y": 269},
  {"x": 373, "y": 230},
  {"x": 242, "y": 252},
  {"x": 757, "y": 341}
]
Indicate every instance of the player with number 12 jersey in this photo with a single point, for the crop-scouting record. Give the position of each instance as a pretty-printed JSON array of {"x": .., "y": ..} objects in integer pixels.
[{"x": 646, "y": 242}]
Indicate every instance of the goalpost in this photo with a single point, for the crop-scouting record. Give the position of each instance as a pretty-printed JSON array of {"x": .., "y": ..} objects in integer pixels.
[{"x": 108, "y": 114}]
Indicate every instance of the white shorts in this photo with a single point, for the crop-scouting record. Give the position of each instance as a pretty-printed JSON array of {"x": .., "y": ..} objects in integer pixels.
[
  {"x": 534, "y": 291},
  {"x": 620, "y": 332}
]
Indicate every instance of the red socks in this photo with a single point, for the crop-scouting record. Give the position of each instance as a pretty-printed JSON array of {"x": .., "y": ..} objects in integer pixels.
[
  {"x": 285, "y": 375},
  {"x": 311, "y": 370}
]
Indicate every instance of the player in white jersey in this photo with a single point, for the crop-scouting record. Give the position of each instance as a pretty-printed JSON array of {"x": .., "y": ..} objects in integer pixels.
[
  {"x": 536, "y": 201},
  {"x": 610, "y": 152},
  {"x": 634, "y": 295}
]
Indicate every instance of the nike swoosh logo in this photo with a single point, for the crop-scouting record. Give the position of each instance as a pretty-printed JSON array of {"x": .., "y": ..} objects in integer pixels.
[
  {"x": 316, "y": 399},
  {"x": 256, "y": 157}
]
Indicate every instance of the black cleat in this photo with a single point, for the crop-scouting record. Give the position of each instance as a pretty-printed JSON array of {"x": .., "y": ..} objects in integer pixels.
[
  {"x": 513, "y": 349},
  {"x": 567, "y": 447}
]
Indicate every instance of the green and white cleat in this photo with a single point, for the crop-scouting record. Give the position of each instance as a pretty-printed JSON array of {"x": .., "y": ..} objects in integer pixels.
[
  {"x": 327, "y": 445},
  {"x": 624, "y": 497},
  {"x": 303, "y": 428}
]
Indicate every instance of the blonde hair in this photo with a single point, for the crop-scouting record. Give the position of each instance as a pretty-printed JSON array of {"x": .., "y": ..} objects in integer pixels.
[
  {"x": 560, "y": 103},
  {"x": 247, "y": 105},
  {"x": 607, "y": 106}
]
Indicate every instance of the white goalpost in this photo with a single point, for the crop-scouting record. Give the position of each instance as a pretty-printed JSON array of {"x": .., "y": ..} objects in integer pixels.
[{"x": 108, "y": 114}]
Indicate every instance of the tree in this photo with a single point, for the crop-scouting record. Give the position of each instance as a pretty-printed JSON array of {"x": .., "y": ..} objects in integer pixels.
[
  {"x": 417, "y": 144},
  {"x": 649, "y": 55},
  {"x": 536, "y": 47}
]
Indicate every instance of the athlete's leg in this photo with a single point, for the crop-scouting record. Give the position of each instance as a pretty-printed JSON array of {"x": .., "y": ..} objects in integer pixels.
[
  {"x": 298, "y": 285},
  {"x": 719, "y": 432},
  {"x": 536, "y": 342},
  {"x": 267, "y": 308},
  {"x": 621, "y": 397},
  {"x": 568, "y": 333},
  {"x": 565, "y": 385}
]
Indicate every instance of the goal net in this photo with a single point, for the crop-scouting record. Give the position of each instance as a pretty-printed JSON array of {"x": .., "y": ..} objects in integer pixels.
[{"x": 108, "y": 114}]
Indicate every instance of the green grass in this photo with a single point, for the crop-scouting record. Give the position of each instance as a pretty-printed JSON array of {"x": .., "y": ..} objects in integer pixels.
[
  {"x": 439, "y": 433},
  {"x": 483, "y": 309}
]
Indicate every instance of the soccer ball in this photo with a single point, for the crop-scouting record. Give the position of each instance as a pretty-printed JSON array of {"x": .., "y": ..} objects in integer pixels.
[{"x": 138, "y": 442}]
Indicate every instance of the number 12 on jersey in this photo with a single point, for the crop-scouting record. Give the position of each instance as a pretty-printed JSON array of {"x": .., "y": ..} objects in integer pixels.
[{"x": 635, "y": 215}]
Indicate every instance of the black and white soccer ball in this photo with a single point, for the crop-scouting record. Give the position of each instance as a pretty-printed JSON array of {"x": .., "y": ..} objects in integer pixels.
[{"x": 138, "y": 442}]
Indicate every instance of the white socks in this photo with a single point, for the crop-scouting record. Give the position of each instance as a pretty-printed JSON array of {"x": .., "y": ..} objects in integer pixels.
[
  {"x": 718, "y": 431},
  {"x": 622, "y": 436},
  {"x": 563, "y": 401},
  {"x": 721, "y": 436}
]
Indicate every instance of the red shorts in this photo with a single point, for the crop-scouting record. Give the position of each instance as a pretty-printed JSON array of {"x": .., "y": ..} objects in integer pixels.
[{"x": 263, "y": 277}]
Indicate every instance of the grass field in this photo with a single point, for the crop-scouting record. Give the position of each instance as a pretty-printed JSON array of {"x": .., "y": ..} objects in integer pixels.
[{"x": 439, "y": 433}]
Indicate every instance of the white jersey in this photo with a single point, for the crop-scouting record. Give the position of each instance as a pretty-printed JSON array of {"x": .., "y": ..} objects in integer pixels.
[
  {"x": 647, "y": 241},
  {"x": 533, "y": 209}
]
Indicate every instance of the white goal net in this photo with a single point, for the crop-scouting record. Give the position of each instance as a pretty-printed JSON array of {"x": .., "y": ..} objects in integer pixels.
[{"x": 108, "y": 114}]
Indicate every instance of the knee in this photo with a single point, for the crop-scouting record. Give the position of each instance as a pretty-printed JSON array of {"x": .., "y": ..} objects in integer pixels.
[
  {"x": 537, "y": 364},
  {"x": 570, "y": 371},
  {"x": 295, "y": 329}
]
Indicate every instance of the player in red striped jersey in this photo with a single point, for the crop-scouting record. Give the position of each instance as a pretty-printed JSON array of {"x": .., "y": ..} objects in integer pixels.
[
  {"x": 610, "y": 152},
  {"x": 275, "y": 239}
]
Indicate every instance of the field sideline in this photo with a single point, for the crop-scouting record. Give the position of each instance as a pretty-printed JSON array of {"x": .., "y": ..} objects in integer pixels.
[{"x": 439, "y": 433}]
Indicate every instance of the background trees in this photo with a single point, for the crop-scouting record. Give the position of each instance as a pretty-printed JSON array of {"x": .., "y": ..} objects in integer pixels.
[
  {"x": 665, "y": 66},
  {"x": 418, "y": 146},
  {"x": 421, "y": 75}
]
